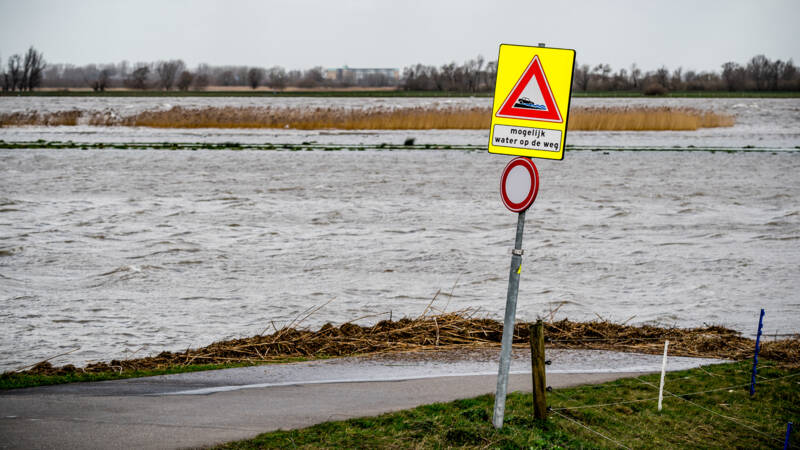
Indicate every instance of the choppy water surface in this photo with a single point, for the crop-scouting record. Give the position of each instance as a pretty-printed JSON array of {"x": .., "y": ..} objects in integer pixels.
[{"x": 116, "y": 250}]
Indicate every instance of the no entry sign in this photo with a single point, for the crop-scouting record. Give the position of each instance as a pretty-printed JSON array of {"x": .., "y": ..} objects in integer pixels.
[{"x": 519, "y": 184}]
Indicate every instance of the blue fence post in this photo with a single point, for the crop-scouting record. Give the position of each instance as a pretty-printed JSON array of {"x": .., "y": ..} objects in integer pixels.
[
  {"x": 788, "y": 433},
  {"x": 755, "y": 356}
]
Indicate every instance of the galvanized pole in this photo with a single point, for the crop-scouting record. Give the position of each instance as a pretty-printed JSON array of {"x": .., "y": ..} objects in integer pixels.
[{"x": 508, "y": 325}]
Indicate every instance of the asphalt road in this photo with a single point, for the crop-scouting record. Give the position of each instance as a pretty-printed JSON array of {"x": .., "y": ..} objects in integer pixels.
[{"x": 206, "y": 408}]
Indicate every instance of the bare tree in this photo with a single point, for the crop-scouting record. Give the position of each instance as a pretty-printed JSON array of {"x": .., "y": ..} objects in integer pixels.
[
  {"x": 138, "y": 78},
  {"x": 98, "y": 78},
  {"x": 185, "y": 80},
  {"x": 32, "y": 67},
  {"x": 227, "y": 78},
  {"x": 201, "y": 82},
  {"x": 758, "y": 70},
  {"x": 312, "y": 78},
  {"x": 167, "y": 72},
  {"x": 255, "y": 76},
  {"x": 620, "y": 80},
  {"x": 418, "y": 78},
  {"x": 277, "y": 77},
  {"x": 662, "y": 76},
  {"x": 774, "y": 70},
  {"x": 676, "y": 82},
  {"x": 600, "y": 74},
  {"x": 14, "y": 72},
  {"x": 636, "y": 76},
  {"x": 202, "y": 77},
  {"x": 787, "y": 74},
  {"x": 3, "y": 78},
  {"x": 491, "y": 75},
  {"x": 472, "y": 74},
  {"x": 582, "y": 76},
  {"x": 733, "y": 75},
  {"x": 101, "y": 82}
]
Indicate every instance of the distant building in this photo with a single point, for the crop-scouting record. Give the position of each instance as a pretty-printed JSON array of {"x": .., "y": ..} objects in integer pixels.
[{"x": 358, "y": 76}]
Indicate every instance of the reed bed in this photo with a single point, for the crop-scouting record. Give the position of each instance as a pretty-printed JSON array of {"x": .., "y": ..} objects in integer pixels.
[
  {"x": 416, "y": 118},
  {"x": 445, "y": 332},
  {"x": 61, "y": 118},
  {"x": 645, "y": 119}
]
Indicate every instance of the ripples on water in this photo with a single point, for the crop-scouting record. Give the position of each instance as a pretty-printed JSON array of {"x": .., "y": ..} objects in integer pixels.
[{"x": 117, "y": 250}]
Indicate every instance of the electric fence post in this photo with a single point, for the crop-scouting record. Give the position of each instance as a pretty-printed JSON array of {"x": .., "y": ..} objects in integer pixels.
[{"x": 755, "y": 355}]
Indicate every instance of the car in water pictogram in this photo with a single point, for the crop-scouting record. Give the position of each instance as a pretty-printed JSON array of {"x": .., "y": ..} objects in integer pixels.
[{"x": 525, "y": 102}]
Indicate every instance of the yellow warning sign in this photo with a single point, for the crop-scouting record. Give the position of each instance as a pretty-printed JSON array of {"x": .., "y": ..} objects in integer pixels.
[{"x": 531, "y": 101}]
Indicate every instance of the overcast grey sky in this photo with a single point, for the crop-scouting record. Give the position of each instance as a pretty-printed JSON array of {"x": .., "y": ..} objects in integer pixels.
[{"x": 298, "y": 34}]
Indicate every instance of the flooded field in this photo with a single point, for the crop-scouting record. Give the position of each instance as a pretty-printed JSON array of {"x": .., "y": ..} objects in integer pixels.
[
  {"x": 123, "y": 251},
  {"x": 760, "y": 123}
]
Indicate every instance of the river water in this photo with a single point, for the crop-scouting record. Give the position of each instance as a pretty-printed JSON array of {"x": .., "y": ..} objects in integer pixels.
[{"x": 119, "y": 251}]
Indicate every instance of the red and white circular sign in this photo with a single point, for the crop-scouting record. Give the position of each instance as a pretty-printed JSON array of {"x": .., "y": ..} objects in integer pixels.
[{"x": 519, "y": 184}]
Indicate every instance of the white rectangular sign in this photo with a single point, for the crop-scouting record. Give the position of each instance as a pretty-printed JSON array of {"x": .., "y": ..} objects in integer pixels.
[{"x": 526, "y": 138}]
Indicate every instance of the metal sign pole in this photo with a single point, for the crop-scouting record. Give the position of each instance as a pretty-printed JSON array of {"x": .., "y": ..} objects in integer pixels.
[{"x": 508, "y": 325}]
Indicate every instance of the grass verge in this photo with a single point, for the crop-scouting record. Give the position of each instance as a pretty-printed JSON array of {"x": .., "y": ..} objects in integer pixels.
[{"x": 711, "y": 408}]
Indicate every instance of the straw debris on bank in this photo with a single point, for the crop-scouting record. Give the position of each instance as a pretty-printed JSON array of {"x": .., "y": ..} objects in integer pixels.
[{"x": 449, "y": 331}]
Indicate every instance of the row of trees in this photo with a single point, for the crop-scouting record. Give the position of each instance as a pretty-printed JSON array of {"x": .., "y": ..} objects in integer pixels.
[
  {"x": 174, "y": 74},
  {"x": 758, "y": 74},
  {"x": 475, "y": 75},
  {"x": 24, "y": 73},
  {"x": 27, "y": 72}
]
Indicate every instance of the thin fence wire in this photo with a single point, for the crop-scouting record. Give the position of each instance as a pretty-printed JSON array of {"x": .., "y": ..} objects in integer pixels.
[
  {"x": 593, "y": 431},
  {"x": 681, "y": 396},
  {"x": 685, "y": 394},
  {"x": 737, "y": 421}
]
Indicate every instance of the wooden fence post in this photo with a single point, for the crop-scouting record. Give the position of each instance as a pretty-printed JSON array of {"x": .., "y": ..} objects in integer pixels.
[{"x": 537, "y": 370}]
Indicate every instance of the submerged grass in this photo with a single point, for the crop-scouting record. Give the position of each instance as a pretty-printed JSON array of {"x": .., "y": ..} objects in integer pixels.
[
  {"x": 426, "y": 332},
  {"x": 711, "y": 408},
  {"x": 311, "y": 146},
  {"x": 415, "y": 118},
  {"x": 70, "y": 374}
]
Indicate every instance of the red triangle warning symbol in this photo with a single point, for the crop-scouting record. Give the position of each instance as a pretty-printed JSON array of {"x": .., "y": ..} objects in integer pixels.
[{"x": 531, "y": 98}]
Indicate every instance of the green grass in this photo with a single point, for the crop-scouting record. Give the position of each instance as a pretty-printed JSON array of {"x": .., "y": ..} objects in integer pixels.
[
  {"x": 726, "y": 417},
  {"x": 10, "y": 380},
  {"x": 152, "y": 93}
]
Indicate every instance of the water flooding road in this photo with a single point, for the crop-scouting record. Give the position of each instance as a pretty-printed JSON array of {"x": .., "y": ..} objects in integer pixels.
[{"x": 122, "y": 251}]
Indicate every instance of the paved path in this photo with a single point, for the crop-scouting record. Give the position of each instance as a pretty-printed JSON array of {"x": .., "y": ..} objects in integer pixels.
[{"x": 205, "y": 408}]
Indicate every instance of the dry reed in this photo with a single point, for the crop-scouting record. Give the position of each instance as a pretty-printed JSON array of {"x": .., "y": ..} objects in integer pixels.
[
  {"x": 449, "y": 331},
  {"x": 416, "y": 118},
  {"x": 645, "y": 119}
]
